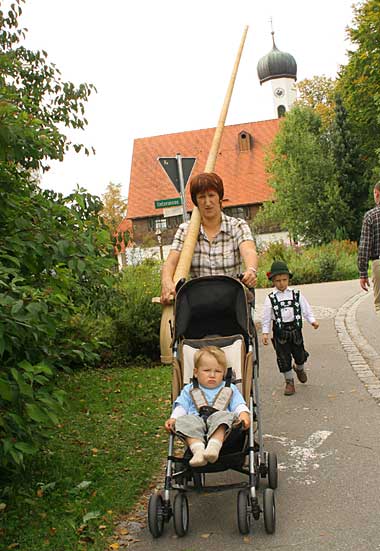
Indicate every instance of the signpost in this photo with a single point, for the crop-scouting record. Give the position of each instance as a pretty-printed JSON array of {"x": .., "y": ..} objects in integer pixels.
[{"x": 178, "y": 169}]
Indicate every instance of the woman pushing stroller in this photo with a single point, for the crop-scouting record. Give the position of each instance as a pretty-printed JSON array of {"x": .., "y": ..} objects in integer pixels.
[
  {"x": 208, "y": 408},
  {"x": 223, "y": 241}
]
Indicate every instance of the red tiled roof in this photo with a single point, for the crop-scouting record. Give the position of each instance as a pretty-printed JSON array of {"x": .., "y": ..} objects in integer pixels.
[{"x": 243, "y": 173}]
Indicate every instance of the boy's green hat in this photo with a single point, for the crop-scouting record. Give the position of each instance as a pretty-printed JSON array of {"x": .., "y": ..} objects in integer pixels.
[{"x": 279, "y": 267}]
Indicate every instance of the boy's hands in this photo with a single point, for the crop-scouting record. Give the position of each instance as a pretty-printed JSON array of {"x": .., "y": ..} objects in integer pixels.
[
  {"x": 170, "y": 424},
  {"x": 265, "y": 338},
  {"x": 244, "y": 418},
  {"x": 315, "y": 324}
]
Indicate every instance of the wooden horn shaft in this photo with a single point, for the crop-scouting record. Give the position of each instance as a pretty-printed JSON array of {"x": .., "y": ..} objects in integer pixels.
[{"x": 184, "y": 262}]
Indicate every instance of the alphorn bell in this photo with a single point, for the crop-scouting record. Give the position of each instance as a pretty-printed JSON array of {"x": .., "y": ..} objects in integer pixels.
[{"x": 184, "y": 262}]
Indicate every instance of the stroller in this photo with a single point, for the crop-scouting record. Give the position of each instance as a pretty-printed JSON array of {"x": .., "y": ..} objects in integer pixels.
[{"x": 215, "y": 310}]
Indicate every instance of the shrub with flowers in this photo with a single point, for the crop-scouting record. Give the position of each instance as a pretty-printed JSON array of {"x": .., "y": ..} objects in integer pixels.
[{"x": 332, "y": 262}]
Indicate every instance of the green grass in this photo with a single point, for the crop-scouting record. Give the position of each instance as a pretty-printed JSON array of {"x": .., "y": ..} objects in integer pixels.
[{"x": 107, "y": 448}]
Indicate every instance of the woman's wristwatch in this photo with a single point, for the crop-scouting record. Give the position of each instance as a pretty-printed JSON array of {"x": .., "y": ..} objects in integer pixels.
[{"x": 252, "y": 269}]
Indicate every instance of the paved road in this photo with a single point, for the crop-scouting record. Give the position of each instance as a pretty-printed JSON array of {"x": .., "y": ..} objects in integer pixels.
[{"x": 326, "y": 438}]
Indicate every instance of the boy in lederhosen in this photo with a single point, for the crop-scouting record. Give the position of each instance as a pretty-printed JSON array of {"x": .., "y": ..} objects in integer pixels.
[{"x": 285, "y": 307}]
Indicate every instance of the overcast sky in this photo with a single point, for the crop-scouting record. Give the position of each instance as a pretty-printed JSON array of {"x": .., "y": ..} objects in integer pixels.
[{"x": 163, "y": 66}]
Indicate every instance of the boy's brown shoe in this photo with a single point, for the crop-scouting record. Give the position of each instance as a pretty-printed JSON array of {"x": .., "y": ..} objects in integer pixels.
[
  {"x": 289, "y": 388},
  {"x": 301, "y": 374}
]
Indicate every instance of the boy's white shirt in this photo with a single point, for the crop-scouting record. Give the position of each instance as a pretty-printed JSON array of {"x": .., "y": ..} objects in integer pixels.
[{"x": 287, "y": 313}]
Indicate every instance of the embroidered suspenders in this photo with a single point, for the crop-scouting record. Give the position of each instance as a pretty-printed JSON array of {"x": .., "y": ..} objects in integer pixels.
[{"x": 278, "y": 306}]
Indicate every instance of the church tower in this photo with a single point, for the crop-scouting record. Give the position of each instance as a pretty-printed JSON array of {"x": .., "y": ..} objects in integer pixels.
[{"x": 280, "y": 70}]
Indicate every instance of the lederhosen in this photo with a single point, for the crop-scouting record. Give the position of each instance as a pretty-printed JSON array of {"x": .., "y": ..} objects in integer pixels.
[{"x": 287, "y": 337}]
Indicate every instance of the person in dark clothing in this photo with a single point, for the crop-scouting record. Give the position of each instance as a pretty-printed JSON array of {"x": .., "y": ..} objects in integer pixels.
[{"x": 369, "y": 249}]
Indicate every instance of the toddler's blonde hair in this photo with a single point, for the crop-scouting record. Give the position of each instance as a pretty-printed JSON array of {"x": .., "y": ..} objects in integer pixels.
[{"x": 218, "y": 354}]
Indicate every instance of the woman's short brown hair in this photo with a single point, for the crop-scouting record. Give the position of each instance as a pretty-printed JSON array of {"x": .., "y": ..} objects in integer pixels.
[
  {"x": 205, "y": 181},
  {"x": 218, "y": 354}
]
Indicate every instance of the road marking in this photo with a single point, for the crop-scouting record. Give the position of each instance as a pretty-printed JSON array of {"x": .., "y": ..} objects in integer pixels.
[{"x": 303, "y": 460}]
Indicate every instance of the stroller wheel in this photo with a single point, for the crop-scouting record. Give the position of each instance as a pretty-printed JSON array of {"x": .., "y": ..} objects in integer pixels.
[
  {"x": 156, "y": 515},
  {"x": 272, "y": 470},
  {"x": 243, "y": 512},
  {"x": 181, "y": 514},
  {"x": 269, "y": 511}
]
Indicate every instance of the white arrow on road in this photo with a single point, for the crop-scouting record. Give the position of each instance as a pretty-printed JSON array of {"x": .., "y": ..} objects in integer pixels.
[{"x": 303, "y": 459}]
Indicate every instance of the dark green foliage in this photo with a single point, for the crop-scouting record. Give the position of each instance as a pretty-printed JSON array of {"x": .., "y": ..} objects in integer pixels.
[
  {"x": 34, "y": 100},
  {"x": 359, "y": 79},
  {"x": 136, "y": 320},
  {"x": 331, "y": 262},
  {"x": 350, "y": 171},
  {"x": 302, "y": 172},
  {"x": 55, "y": 261},
  {"x": 55, "y": 256}
]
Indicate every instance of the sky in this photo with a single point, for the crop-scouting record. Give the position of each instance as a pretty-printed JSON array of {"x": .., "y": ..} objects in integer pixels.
[{"x": 163, "y": 66}]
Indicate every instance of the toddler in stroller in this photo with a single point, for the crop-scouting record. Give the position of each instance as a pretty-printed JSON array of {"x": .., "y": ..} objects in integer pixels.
[
  {"x": 213, "y": 325},
  {"x": 208, "y": 407}
]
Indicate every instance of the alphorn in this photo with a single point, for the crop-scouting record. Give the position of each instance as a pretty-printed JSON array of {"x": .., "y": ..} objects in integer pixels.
[{"x": 184, "y": 262}]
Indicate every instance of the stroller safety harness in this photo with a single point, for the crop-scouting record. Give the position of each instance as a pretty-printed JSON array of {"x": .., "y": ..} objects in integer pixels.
[{"x": 221, "y": 401}]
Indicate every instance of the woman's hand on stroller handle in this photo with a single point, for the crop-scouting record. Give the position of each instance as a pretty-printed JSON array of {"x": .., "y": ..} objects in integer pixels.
[
  {"x": 251, "y": 289},
  {"x": 249, "y": 278}
]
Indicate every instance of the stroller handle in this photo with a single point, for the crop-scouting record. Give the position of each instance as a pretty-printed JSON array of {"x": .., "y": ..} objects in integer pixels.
[{"x": 240, "y": 277}]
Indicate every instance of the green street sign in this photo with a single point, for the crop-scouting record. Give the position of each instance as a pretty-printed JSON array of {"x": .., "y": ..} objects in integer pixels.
[{"x": 164, "y": 203}]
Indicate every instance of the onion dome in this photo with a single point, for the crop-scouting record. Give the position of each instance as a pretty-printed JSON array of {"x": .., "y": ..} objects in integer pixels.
[{"x": 276, "y": 64}]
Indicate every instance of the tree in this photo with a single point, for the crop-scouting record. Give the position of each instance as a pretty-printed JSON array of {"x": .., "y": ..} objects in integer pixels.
[
  {"x": 350, "y": 170},
  {"x": 114, "y": 207},
  {"x": 35, "y": 101},
  {"x": 359, "y": 79},
  {"x": 318, "y": 93},
  {"x": 302, "y": 173},
  {"x": 55, "y": 254}
]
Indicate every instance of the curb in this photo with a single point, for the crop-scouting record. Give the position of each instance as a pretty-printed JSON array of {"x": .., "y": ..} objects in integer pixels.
[{"x": 363, "y": 358}]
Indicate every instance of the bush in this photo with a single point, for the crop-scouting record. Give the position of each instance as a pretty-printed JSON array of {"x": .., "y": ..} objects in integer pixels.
[
  {"x": 135, "y": 319},
  {"x": 54, "y": 253},
  {"x": 327, "y": 266},
  {"x": 335, "y": 261},
  {"x": 55, "y": 265}
]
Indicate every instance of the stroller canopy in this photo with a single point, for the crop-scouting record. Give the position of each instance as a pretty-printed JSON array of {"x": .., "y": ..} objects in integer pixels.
[{"x": 211, "y": 305}]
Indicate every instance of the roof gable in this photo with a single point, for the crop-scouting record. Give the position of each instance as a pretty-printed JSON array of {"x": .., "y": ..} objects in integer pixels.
[{"x": 243, "y": 172}]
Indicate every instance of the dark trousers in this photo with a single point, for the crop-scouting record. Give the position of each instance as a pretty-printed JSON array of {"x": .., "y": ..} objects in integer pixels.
[{"x": 288, "y": 344}]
